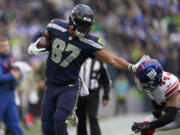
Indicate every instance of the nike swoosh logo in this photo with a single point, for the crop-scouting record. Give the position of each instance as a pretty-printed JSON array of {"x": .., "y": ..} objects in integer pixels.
[{"x": 71, "y": 85}]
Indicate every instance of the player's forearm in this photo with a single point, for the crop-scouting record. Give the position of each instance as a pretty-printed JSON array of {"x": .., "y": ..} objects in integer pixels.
[
  {"x": 119, "y": 63},
  {"x": 112, "y": 60},
  {"x": 165, "y": 119},
  {"x": 156, "y": 109}
]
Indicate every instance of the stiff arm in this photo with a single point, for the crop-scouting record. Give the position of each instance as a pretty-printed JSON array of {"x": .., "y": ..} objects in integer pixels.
[{"x": 110, "y": 59}]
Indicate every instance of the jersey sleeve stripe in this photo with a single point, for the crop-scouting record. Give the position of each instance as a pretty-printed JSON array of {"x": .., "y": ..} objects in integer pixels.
[
  {"x": 171, "y": 87},
  {"x": 172, "y": 91},
  {"x": 57, "y": 27},
  {"x": 92, "y": 43}
]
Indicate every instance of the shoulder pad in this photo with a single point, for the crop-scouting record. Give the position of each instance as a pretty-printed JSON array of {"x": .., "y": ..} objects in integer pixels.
[
  {"x": 170, "y": 84},
  {"x": 58, "y": 24},
  {"x": 93, "y": 41}
]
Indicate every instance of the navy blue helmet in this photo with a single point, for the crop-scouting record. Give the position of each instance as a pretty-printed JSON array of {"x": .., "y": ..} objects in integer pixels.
[
  {"x": 149, "y": 74},
  {"x": 81, "y": 20}
]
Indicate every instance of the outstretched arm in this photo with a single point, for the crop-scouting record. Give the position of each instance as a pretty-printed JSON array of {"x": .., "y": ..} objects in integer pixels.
[
  {"x": 110, "y": 59},
  {"x": 118, "y": 62}
]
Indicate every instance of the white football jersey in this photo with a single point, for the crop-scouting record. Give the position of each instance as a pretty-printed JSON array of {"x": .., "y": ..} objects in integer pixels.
[{"x": 169, "y": 85}]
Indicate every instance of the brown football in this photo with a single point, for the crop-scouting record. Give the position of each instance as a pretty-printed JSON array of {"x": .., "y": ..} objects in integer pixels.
[{"x": 44, "y": 43}]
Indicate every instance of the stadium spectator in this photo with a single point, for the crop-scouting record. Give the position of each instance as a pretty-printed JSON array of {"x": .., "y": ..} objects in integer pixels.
[
  {"x": 121, "y": 86},
  {"x": 8, "y": 79},
  {"x": 31, "y": 91}
]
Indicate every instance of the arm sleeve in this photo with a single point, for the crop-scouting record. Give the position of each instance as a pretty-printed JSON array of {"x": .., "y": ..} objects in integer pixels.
[
  {"x": 165, "y": 119},
  {"x": 105, "y": 81},
  {"x": 5, "y": 77},
  {"x": 156, "y": 109}
]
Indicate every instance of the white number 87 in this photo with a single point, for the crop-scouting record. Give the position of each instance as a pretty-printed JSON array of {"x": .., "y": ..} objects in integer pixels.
[{"x": 58, "y": 48}]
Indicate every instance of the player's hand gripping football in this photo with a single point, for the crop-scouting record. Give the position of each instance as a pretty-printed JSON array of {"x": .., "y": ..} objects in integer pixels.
[
  {"x": 134, "y": 68},
  {"x": 137, "y": 127},
  {"x": 36, "y": 51}
]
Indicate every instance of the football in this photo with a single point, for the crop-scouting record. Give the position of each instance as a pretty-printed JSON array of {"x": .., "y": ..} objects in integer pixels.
[{"x": 44, "y": 43}]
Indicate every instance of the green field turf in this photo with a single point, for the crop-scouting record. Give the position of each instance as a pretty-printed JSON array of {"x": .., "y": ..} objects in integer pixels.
[
  {"x": 114, "y": 129},
  {"x": 36, "y": 130},
  {"x": 172, "y": 132}
]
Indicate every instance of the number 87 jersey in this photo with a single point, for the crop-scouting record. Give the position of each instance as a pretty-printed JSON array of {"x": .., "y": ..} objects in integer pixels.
[
  {"x": 68, "y": 53},
  {"x": 166, "y": 89}
]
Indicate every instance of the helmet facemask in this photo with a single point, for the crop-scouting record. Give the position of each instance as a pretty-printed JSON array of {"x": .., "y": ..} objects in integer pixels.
[
  {"x": 149, "y": 86},
  {"x": 145, "y": 87},
  {"x": 81, "y": 20},
  {"x": 150, "y": 76},
  {"x": 82, "y": 28}
]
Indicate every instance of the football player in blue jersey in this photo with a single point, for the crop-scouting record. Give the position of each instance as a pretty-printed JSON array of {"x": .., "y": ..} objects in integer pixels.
[{"x": 71, "y": 44}]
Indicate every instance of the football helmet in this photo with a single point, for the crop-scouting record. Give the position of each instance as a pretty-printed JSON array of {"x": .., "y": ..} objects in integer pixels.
[
  {"x": 81, "y": 19},
  {"x": 149, "y": 75}
]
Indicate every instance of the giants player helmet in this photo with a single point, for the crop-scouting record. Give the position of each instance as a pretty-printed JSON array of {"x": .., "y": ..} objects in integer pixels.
[
  {"x": 149, "y": 75},
  {"x": 81, "y": 20}
]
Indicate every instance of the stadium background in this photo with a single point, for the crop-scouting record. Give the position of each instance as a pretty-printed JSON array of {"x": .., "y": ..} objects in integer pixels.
[{"x": 129, "y": 28}]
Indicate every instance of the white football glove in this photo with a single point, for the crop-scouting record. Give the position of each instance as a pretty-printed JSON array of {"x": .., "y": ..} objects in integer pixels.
[
  {"x": 32, "y": 49},
  {"x": 133, "y": 68}
]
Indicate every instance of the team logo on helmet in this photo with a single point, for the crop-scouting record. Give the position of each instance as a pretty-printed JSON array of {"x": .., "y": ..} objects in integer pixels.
[
  {"x": 152, "y": 74},
  {"x": 149, "y": 75},
  {"x": 81, "y": 19}
]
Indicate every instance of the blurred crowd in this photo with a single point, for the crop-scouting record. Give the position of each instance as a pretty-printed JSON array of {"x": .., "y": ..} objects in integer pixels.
[
  {"x": 129, "y": 28},
  {"x": 135, "y": 27}
]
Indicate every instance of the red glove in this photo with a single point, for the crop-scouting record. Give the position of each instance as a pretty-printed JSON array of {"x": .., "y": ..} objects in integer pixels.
[{"x": 149, "y": 132}]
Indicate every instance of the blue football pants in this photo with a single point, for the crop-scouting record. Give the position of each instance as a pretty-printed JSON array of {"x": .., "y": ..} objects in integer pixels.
[{"x": 58, "y": 103}]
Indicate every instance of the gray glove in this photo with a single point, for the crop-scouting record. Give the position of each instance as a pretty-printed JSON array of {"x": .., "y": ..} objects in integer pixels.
[{"x": 132, "y": 67}]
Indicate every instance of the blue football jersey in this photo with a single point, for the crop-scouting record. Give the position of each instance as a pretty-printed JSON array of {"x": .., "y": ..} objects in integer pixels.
[{"x": 68, "y": 53}]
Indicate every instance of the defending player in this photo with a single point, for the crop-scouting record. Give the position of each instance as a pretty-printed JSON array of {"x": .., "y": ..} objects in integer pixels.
[
  {"x": 163, "y": 89},
  {"x": 71, "y": 46}
]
